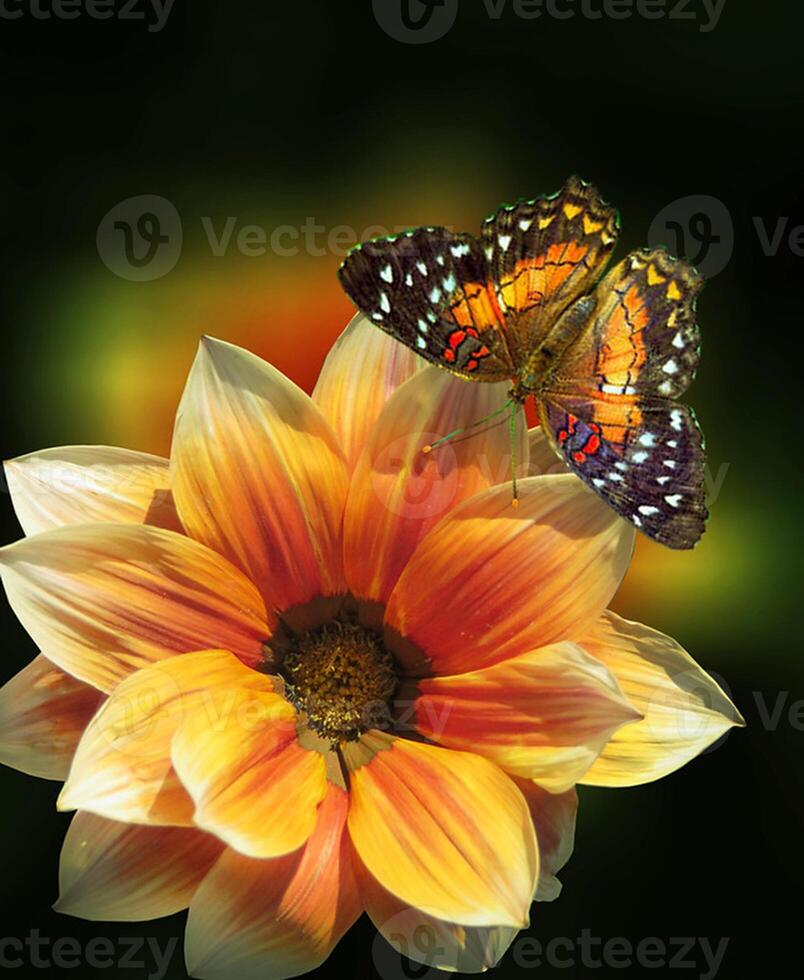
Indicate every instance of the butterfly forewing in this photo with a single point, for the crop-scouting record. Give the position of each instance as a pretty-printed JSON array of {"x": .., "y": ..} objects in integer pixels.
[
  {"x": 543, "y": 255},
  {"x": 429, "y": 289}
]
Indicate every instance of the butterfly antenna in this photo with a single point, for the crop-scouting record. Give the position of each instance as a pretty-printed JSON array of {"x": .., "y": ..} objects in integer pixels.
[
  {"x": 512, "y": 430},
  {"x": 486, "y": 418}
]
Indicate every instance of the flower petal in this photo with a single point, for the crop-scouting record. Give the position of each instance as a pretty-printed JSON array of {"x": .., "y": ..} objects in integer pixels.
[
  {"x": 544, "y": 715},
  {"x": 123, "y": 872},
  {"x": 258, "y": 475},
  {"x": 398, "y": 493},
  {"x": 252, "y": 783},
  {"x": 554, "y": 816},
  {"x": 266, "y": 920},
  {"x": 90, "y": 485},
  {"x": 684, "y": 710},
  {"x": 425, "y": 939},
  {"x": 105, "y": 599},
  {"x": 504, "y": 581},
  {"x": 543, "y": 459},
  {"x": 445, "y": 832},
  {"x": 43, "y": 713},
  {"x": 361, "y": 372},
  {"x": 122, "y": 768}
]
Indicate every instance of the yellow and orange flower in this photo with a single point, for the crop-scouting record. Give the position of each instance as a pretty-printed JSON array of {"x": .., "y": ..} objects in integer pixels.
[{"x": 301, "y": 670}]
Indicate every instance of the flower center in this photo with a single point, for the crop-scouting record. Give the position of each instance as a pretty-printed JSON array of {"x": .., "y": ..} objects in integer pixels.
[{"x": 342, "y": 677}]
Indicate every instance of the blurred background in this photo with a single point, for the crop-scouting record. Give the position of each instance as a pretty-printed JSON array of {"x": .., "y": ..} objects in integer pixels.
[{"x": 204, "y": 168}]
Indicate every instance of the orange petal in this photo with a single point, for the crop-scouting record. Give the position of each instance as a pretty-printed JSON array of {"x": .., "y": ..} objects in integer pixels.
[
  {"x": 684, "y": 709},
  {"x": 90, "y": 485},
  {"x": 544, "y": 460},
  {"x": 122, "y": 768},
  {"x": 266, "y": 920},
  {"x": 259, "y": 476},
  {"x": 504, "y": 581},
  {"x": 445, "y": 832},
  {"x": 128, "y": 873},
  {"x": 425, "y": 939},
  {"x": 252, "y": 783},
  {"x": 554, "y": 816},
  {"x": 544, "y": 715},
  {"x": 105, "y": 599},
  {"x": 43, "y": 713},
  {"x": 398, "y": 492},
  {"x": 360, "y": 374}
]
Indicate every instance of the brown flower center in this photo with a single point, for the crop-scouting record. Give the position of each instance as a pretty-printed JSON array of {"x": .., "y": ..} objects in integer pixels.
[{"x": 342, "y": 677}]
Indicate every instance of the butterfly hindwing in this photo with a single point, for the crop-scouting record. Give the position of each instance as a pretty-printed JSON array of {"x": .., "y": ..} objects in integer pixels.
[
  {"x": 429, "y": 289},
  {"x": 544, "y": 254}
]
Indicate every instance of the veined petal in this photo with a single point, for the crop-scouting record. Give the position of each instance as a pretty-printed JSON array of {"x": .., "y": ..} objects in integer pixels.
[
  {"x": 252, "y": 783},
  {"x": 425, "y": 939},
  {"x": 554, "y": 816},
  {"x": 361, "y": 372},
  {"x": 684, "y": 710},
  {"x": 504, "y": 581},
  {"x": 398, "y": 492},
  {"x": 271, "y": 919},
  {"x": 90, "y": 485},
  {"x": 544, "y": 715},
  {"x": 258, "y": 475},
  {"x": 105, "y": 599},
  {"x": 122, "y": 768},
  {"x": 124, "y": 872},
  {"x": 43, "y": 713},
  {"x": 445, "y": 832}
]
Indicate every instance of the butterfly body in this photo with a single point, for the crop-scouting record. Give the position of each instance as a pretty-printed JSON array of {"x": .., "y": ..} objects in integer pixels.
[{"x": 604, "y": 357}]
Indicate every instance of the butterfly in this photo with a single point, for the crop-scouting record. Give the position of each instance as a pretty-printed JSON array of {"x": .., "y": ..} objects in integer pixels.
[{"x": 605, "y": 356}]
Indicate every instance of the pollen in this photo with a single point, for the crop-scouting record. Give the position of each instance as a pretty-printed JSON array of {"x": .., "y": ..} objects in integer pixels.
[{"x": 343, "y": 679}]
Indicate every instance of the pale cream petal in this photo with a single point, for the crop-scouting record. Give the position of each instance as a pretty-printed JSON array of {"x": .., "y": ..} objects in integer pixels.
[
  {"x": 554, "y": 816},
  {"x": 125, "y": 872},
  {"x": 544, "y": 461},
  {"x": 501, "y": 581},
  {"x": 684, "y": 709},
  {"x": 399, "y": 493},
  {"x": 122, "y": 768},
  {"x": 361, "y": 372},
  {"x": 258, "y": 475},
  {"x": 90, "y": 485},
  {"x": 445, "y": 832},
  {"x": 43, "y": 713},
  {"x": 106, "y": 599},
  {"x": 277, "y": 918}
]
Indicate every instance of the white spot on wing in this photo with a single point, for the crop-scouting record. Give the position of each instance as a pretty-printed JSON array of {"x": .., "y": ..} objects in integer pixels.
[
  {"x": 387, "y": 273},
  {"x": 674, "y": 499},
  {"x": 670, "y": 367},
  {"x": 385, "y": 305},
  {"x": 505, "y": 241},
  {"x": 648, "y": 510},
  {"x": 676, "y": 420},
  {"x": 647, "y": 439}
]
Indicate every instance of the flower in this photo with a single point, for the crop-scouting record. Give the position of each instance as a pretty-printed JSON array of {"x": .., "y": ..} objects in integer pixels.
[{"x": 303, "y": 671}]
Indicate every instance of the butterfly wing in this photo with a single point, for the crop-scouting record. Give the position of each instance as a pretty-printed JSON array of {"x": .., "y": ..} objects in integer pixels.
[
  {"x": 429, "y": 289},
  {"x": 609, "y": 410},
  {"x": 543, "y": 255}
]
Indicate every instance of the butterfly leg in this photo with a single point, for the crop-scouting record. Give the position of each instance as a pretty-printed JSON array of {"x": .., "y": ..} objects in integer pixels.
[{"x": 512, "y": 429}]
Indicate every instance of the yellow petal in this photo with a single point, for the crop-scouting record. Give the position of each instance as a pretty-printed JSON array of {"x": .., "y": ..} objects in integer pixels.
[
  {"x": 684, "y": 710},
  {"x": 271, "y": 919},
  {"x": 252, "y": 783},
  {"x": 360, "y": 374},
  {"x": 554, "y": 816},
  {"x": 544, "y": 715},
  {"x": 503, "y": 581},
  {"x": 428, "y": 940},
  {"x": 259, "y": 476},
  {"x": 122, "y": 768},
  {"x": 445, "y": 832},
  {"x": 124, "y": 872},
  {"x": 105, "y": 599},
  {"x": 43, "y": 713},
  {"x": 398, "y": 492},
  {"x": 90, "y": 485}
]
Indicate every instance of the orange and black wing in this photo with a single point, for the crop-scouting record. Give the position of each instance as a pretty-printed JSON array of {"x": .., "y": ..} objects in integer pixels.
[
  {"x": 543, "y": 255},
  {"x": 429, "y": 289},
  {"x": 609, "y": 410}
]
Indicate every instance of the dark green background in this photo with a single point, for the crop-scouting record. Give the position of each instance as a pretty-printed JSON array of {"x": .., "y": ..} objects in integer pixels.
[{"x": 278, "y": 111}]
